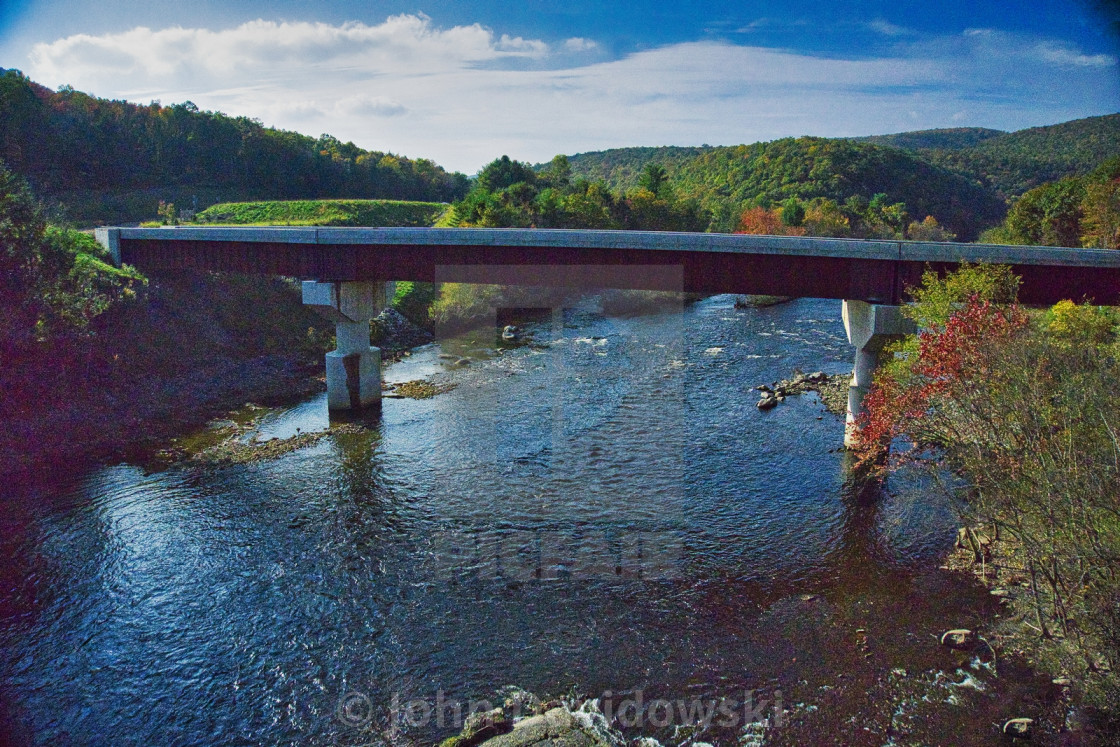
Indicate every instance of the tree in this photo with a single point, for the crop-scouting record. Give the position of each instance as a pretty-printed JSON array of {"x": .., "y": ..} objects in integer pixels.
[
  {"x": 793, "y": 212},
  {"x": 1101, "y": 215},
  {"x": 53, "y": 282},
  {"x": 928, "y": 230},
  {"x": 1048, "y": 215},
  {"x": 504, "y": 172},
  {"x": 558, "y": 173},
  {"x": 653, "y": 178}
]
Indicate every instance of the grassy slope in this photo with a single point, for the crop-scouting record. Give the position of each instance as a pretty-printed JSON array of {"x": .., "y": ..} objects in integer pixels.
[{"x": 324, "y": 213}]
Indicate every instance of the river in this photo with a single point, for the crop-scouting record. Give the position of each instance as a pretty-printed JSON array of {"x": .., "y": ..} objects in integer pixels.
[{"x": 601, "y": 510}]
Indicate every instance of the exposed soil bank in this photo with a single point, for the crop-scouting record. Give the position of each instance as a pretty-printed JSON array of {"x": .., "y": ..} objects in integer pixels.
[{"x": 195, "y": 346}]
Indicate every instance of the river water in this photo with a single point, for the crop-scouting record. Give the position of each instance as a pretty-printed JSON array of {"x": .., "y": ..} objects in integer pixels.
[{"x": 603, "y": 510}]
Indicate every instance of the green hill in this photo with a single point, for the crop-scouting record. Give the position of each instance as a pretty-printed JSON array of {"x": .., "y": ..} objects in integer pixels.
[
  {"x": 1018, "y": 161},
  {"x": 964, "y": 177},
  {"x": 726, "y": 180},
  {"x": 105, "y": 160},
  {"x": 619, "y": 168},
  {"x": 324, "y": 213}
]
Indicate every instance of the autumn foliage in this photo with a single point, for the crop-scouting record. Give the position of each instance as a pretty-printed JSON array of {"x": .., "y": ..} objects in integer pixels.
[
  {"x": 758, "y": 220},
  {"x": 1016, "y": 414},
  {"x": 947, "y": 361}
]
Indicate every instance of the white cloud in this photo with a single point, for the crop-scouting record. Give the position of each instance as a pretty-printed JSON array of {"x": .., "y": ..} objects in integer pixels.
[
  {"x": 886, "y": 28},
  {"x": 1061, "y": 55},
  {"x": 465, "y": 95},
  {"x": 579, "y": 44}
]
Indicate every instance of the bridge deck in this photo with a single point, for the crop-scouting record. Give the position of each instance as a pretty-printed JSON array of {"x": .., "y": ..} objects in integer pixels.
[{"x": 869, "y": 270}]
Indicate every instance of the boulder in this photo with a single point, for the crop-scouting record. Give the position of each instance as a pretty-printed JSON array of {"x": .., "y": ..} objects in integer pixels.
[
  {"x": 558, "y": 727},
  {"x": 1018, "y": 727},
  {"x": 959, "y": 638},
  {"x": 768, "y": 401},
  {"x": 480, "y": 727},
  {"x": 392, "y": 331}
]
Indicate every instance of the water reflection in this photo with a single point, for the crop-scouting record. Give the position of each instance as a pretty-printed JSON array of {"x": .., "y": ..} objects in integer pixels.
[{"x": 600, "y": 508}]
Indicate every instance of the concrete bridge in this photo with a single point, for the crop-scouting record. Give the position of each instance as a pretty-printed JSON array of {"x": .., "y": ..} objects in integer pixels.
[{"x": 345, "y": 270}]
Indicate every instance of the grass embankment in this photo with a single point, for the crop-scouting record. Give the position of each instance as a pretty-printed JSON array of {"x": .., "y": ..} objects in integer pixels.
[{"x": 323, "y": 213}]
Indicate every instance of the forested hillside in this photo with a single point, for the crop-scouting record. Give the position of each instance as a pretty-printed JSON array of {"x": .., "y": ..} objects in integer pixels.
[
  {"x": 621, "y": 168},
  {"x": 725, "y": 181},
  {"x": 112, "y": 160},
  {"x": 963, "y": 177},
  {"x": 1018, "y": 161}
]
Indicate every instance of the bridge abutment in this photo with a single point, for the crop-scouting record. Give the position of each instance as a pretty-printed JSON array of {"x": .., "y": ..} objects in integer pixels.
[
  {"x": 354, "y": 366},
  {"x": 869, "y": 327}
]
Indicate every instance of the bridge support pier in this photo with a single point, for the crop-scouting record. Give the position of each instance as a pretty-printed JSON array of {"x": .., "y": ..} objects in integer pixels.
[
  {"x": 354, "y": 366},
  {"x": 869, "y": 328}
]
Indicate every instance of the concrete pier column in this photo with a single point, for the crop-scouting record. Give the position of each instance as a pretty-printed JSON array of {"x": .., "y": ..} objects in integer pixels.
[
  {"x": 354, "y": 366},
  {"x": 869, "y": 328}
]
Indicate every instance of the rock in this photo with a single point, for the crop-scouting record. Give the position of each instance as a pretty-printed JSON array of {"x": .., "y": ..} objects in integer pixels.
[
  {"x": 479, "y": 728},
  {"x": 758, "y": 301},
  {"x": 393, "y": 332},
  {"x": 1018, "y": 727},
  {"x": 959, "y": 638},
  {"x": 768, "y": 401},
  {"x": 510, "y": 332},
  {"x": 558, "y": 727},
  {"x": 519, "y": 702}
]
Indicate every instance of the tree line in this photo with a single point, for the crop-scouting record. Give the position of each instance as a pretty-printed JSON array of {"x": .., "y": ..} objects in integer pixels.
[{"x": 66, "y": 140}]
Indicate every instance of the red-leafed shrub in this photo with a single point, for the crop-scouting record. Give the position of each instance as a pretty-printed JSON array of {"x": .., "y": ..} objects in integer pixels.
[{"x": 1022, "y": 410}]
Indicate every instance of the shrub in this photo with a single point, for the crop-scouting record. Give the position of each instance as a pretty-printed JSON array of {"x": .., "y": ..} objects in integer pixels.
[{"x": 1032, "y": 423}]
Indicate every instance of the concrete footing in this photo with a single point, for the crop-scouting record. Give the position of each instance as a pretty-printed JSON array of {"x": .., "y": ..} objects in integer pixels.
[
  {"x": 354, "y": 366},
  {"x": 869, "y": 328}
]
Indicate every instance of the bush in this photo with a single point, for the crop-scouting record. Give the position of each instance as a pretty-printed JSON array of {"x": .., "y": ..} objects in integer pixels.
[
  {"x": 1032, "y": 423},
  {"x": 53, "y": 281}
]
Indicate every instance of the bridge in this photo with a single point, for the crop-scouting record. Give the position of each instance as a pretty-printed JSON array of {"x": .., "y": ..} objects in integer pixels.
[{"x": 345, "y": 269}]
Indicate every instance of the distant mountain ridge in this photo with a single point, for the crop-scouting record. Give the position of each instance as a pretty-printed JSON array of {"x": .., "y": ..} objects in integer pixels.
[{"x": 956, "y": 138}]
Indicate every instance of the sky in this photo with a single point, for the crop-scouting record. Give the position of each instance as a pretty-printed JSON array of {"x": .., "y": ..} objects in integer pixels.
[{"x": 462, "y": 83}]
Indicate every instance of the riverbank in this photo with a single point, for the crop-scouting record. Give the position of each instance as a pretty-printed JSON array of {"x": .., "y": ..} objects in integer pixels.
[{"x": 191, "y": 347}]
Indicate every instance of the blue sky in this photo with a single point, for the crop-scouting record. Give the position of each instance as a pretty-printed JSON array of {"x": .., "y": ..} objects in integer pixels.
[{"x": 462, "y": 83}]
